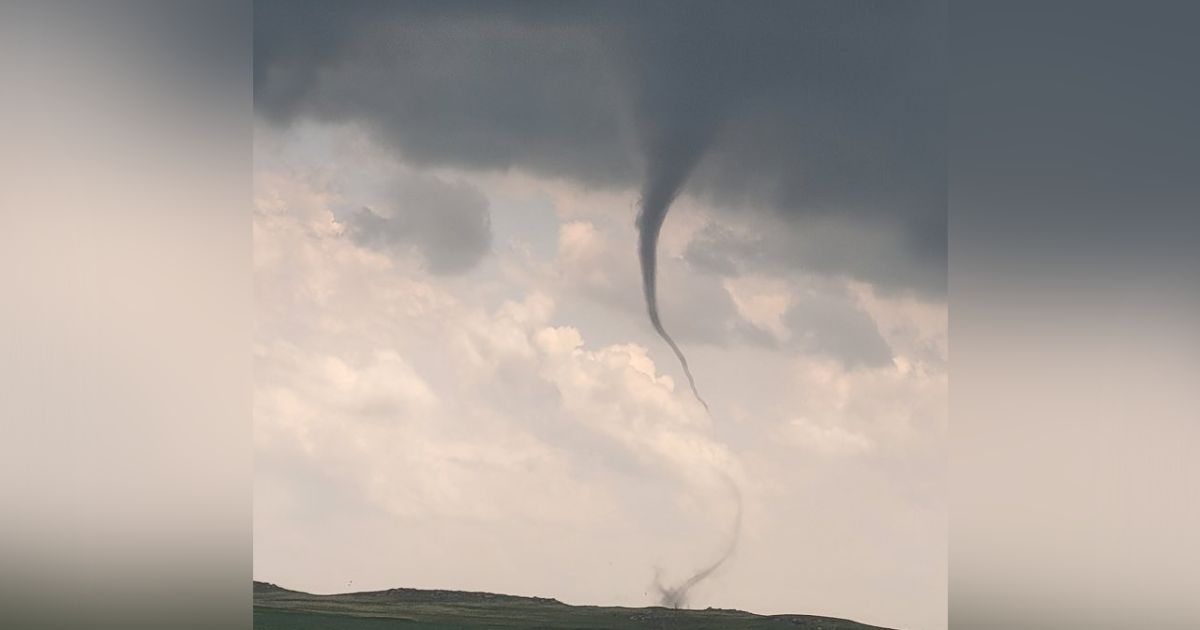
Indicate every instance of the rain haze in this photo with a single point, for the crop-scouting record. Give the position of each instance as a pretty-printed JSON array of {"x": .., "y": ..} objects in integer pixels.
[{"x": 616, "y": 303}]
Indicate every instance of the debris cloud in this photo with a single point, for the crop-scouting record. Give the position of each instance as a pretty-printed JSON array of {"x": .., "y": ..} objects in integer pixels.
[{"x": 677, "y": 596}]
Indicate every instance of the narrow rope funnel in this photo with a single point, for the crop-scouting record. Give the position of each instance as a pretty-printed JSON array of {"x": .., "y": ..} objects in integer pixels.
[
  {"x": 649, "y": 224},
  {"x": 671, "y": 158},
  {"x": 677, "y": 596}
]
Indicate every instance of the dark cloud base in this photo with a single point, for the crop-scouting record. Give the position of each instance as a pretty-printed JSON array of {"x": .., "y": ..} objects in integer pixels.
[{"x": 832, "y": 110}]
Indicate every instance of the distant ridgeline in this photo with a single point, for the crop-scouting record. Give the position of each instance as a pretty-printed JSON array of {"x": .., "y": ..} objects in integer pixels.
[{"x": 277, "y": 608}]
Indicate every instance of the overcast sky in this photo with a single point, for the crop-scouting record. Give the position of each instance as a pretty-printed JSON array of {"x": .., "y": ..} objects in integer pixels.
[{"x": 457, "y": 385}]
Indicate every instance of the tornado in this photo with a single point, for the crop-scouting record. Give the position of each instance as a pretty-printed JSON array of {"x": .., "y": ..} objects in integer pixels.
[
  {"x": 677, "y": 596},
  {"x": 671, "y": 155}
]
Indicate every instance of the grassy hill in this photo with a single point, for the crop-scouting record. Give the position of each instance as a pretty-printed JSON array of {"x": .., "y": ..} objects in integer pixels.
[{"x": 278, "y": 608}]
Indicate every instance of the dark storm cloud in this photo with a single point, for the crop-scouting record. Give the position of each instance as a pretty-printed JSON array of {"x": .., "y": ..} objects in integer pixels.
[
  {"x": 891, "y": 260},
  {"x": 484, "y": 85},
  {"x": 835, "y": 328},
  {"x": 823, "y": 319},
  {"x": 448, "y": 224},
  {"x": 829, "y": 110}
]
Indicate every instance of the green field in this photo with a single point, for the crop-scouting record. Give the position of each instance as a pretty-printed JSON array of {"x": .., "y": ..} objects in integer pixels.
[{"x": 276, "y": 608}]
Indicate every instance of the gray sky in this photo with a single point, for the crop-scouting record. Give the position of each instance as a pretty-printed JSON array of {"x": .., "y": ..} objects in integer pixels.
[{"x": 456, "y": 383}]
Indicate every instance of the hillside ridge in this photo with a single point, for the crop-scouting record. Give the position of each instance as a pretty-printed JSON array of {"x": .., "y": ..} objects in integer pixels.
[{"x": 279, "y": 608}]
